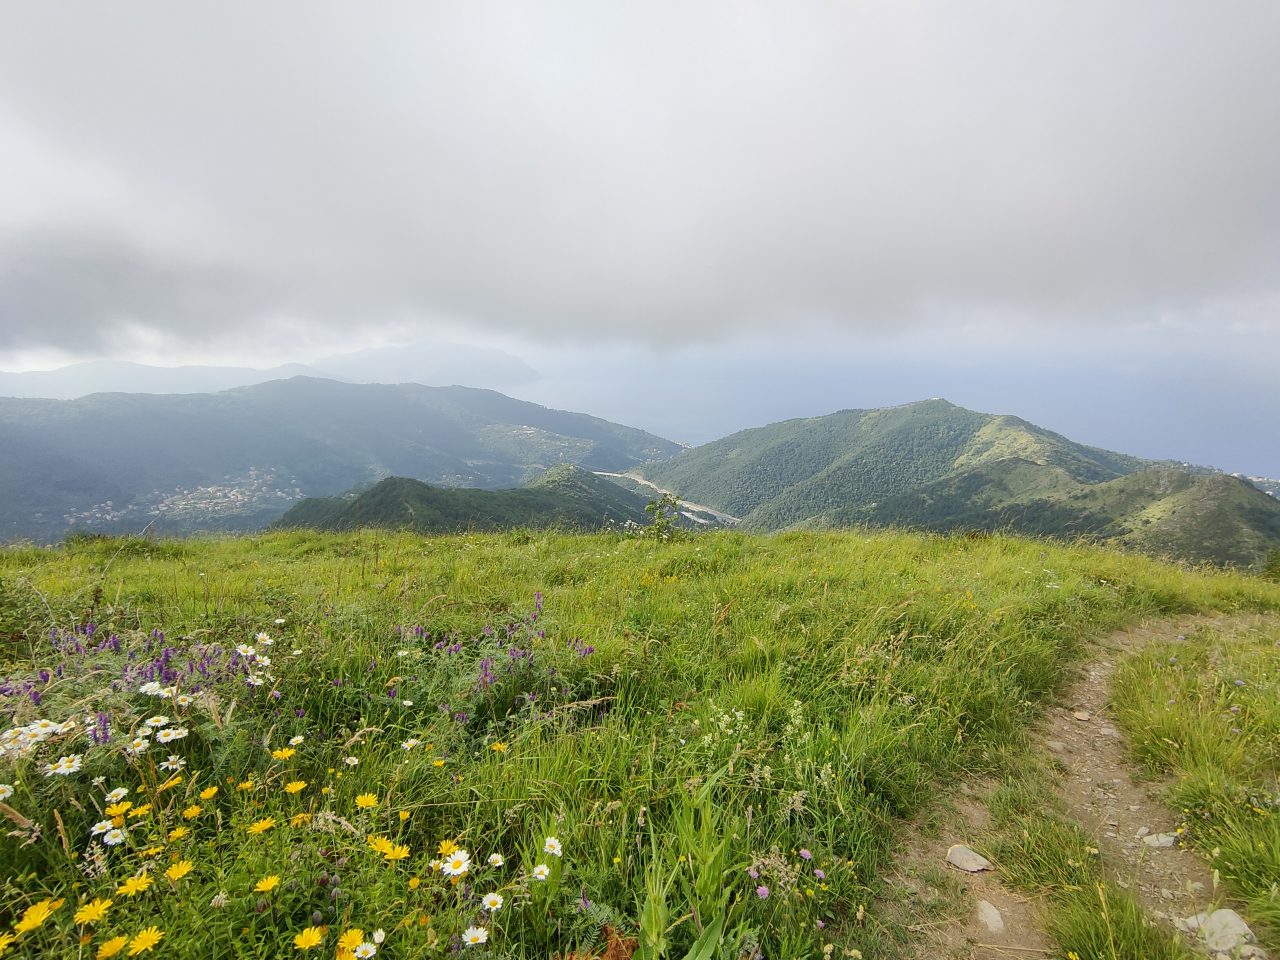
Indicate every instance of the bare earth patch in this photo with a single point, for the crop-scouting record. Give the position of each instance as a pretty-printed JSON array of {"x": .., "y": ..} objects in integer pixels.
[
  {"x": 957, "y": 915},
  {"x": 953, "y": 923},
  {"x": 1118, "y": 803}
]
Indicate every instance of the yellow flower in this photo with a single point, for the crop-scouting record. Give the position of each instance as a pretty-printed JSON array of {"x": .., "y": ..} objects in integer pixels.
[
  {"x": 446, "y": 847},
  {"x": 398, "y": 851},
  {"x": 119, "y": 809},
  {"x": 245, "y": 784},
  {"x": 152, "y": 851},
  {"x": 35, "y": 915},
  {"x": 437, "y": 763},
  {"x": 267, "y": 884},
  {"x": 498, "y": 747},
  {"x": 93, "y": 911},
  {"x": 141, "y": 811},
  {"x": 112, "y": 947},
  {"x": 414, "y": 883},
  {"x": 284, "y": 753},
  {"x": 308, "y": 938},
  {"x": 380, "y": 844},
  {"x": 298, "y": 819},
  {"x": 6, "y": 941},
  {"x": 262, "y": 826},
  {"x": 144, "y": 941},
  {"x": 366, "y": 800},
  {"x": 296, "y": 786},
  {"x": 170, "y": 783},
  {"x": 179, "y": 870},
  {"x": 351, "y": 939},
  {"x": 192, "y": 811},
  {"x": 134, "y": 885},
  {"x": 208, "y": 793},
  {"x": 177, "y": 833},
  {"x": 404, "y": 815}
]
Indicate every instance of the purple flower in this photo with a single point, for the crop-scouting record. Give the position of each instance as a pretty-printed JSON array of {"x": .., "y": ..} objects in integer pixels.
[
  {"x": 753, "y": 873},
  {"x": 820, "y": 874},
  {"x": 762, "y": 892},
  {"x": 805, "y": 854}
]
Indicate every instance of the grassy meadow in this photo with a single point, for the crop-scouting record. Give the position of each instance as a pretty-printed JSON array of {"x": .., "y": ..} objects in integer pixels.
[
  {"x": 522, "y": 745},
  {"x": 1206, "y": 708}
]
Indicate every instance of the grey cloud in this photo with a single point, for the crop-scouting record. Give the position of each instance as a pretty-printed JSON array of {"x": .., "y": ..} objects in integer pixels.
[
  {"x": 78, "y": 292},
  {"x": 670, "y": 171}
]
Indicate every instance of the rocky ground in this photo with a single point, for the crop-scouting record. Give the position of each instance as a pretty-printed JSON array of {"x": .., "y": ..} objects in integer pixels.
[{"x": 967, "y": 913}]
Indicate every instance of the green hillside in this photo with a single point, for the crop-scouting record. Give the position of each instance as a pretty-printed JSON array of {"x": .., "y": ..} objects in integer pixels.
[
  {"x": 564, "y": 496},
  {"x": 238, "y": 459},
  {"x": 936, "y": 466}
]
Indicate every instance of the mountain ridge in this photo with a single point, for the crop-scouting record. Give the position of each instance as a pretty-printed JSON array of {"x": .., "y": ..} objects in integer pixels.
[
  {"x": 933, "y": 465},
  {"x": 238, "y": 458}
]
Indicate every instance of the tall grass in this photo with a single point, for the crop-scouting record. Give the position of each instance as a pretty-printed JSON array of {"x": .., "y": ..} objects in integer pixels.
[
  {"x": 717, "y": 734},
  {"x": 1207, "y": 708}
]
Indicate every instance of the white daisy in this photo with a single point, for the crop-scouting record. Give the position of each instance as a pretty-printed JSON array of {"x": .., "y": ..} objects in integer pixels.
[
  {"x": 541, "y": 872},
  {"x": 365, "y": 950},
  {"x": 99, "y": 828},
  {"x": 173, "y": 764},
  {"x": 64, "y": 766},
  {"x": 158, "y": 721},
  {"x": 114, "y": 837},
  {"x": 6, "y": 791},
  {"x": 151, "y": 689},
  {"x": 552, "y": 846},
  {"x": 263, "y": 638},
  {"x": 137, "y": 745},
  {"x": 246, "y": 651},
  {"x": 379, "y": 935},
  {"x": 410, "y": 743},
  {"x": 169, "y": 734},
  {"x": 492, "y": 902},
  {"x": 456, "y": 864},
  {"x": 116, "y": 795},
  {"x": 495, "y": 860},
  {"x": 294, "y": 741},
  {"x": 351, "y": 761},
  {"x": 184, "y": 700},
  {"x": 253, "y": 680},
  {"x": 473, "y": 936}
]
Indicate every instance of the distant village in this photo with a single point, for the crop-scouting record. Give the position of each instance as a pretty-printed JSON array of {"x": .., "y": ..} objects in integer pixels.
[{"x": 234, "y": 496}]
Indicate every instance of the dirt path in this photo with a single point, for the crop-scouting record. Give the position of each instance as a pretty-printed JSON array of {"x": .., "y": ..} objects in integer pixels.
[{"x": 1099, "y": 788}]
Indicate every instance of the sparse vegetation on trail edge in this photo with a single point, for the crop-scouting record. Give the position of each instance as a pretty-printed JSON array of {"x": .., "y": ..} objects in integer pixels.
[
  {"x": 523, "y": 745},
  {"x": 1206, "y": 708}
]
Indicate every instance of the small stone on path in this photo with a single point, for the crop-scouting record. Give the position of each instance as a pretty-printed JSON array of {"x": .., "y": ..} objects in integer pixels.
[
  {"x": 966, "y": 859},
  {"x": 1083, "y": 715},
  {"x": 1160, "y": 839},
  {"x": 1057, "y": 746},
  {"x": 1221, "y": 930},
  {"x": 990, "y": 917}
]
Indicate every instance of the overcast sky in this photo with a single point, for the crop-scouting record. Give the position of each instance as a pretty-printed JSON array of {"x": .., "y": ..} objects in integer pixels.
[{"x": 1065, "y": 210}]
